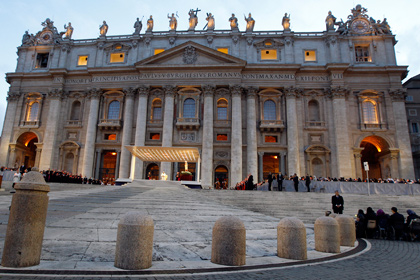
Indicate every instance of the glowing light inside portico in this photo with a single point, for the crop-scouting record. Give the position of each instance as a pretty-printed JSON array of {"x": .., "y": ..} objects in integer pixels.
[{"x": 165, "y": 154}]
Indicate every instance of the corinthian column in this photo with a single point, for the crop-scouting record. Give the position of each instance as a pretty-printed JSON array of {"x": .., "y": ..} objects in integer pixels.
[
  {"x": 293, "y": 165},
  {"x": 89, "y": 151},
  {"x": 143, "y": 93},
  {"x": 168, "y": 126},
  {"x": 6, "y": 136},
  {"x": 341, "y": 134},
  {"x": 251, "y": 132},
  {"x": 207, "y": 152},
  {"x": 50, "y": 135},
  {"x": 236, "y": 136},
  {"x": 125, "y": 158}
]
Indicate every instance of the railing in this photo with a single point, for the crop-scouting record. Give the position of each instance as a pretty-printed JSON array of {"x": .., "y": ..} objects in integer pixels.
[
  {"x": 30, "y": 123},
  {"x": 315, "y": 124},
  {"x": 373, "y": 126},
  {"x": 271, "y": 123},
  {"x": 73, "y": 123},
  {"x": 188, "y": 120},
  {"x": 222, "y": 123}
]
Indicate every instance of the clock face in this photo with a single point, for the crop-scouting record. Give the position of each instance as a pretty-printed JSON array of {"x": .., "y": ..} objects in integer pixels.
[
  {"x": 360, "y": 26},
  {"x": 45, "y": 37}
]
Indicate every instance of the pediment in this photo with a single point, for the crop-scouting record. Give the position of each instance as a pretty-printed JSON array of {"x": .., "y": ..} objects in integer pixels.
[{"x": 190, "y": 54}]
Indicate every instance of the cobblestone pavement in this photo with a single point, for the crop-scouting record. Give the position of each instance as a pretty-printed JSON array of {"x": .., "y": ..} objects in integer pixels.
[{"x": 385, "y": 260}]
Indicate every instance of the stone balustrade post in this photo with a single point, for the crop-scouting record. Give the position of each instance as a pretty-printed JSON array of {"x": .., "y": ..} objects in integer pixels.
[
  {"x": 291, "y": 239},
  {"x": 347, "y": 229},
  {"x": 327, "y": 235}
]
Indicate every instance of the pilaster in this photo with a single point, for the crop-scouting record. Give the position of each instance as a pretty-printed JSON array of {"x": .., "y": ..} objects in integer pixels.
[
  {"x": 251, "y": 129},
  {"x": 236, "y": 136},
  {"x": 140, "y": 134},
  {"x": 207, "y": 153}
]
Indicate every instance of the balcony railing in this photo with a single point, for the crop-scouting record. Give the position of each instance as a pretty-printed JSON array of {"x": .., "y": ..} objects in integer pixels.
[
  {"x": 373, "y": 127},
  {"x": 108, "y": 124},
  {"x": 73, "y": 123},
  {"x": 316, "y": 125},
  {"x": 271, "y": 125},
  {"x": 222, "y": 123},
  {"x": 30, "y": 124},
  {"x": 188, "y": 123}
]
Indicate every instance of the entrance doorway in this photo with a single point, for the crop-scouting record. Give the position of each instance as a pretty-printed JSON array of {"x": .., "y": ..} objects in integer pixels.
[
  {"x": 376, "y": 152},
  {"x": 270, "y": 164},
  {"x": 109, "y": 164},
  {"x": 25, "y": 150},
  {"x": 152, "y": 172},
  {"x": 191, "y": 168},
  {"x": 221, "y": 176}
]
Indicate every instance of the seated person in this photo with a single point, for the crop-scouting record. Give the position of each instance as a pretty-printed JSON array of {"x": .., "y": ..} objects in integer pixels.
[
  {"x": 360, "y": 224},
  {"x": 396, "y": 221}
]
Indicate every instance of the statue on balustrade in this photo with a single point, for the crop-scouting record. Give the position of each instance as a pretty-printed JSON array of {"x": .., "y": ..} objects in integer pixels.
[
  {"x": 233, "y": 23},
  {"x": 172, "y": 22},
  {"x": 286, "y": 22},
  {"x": 250, "y": 22},
  {"x": 330, "y": 22},
  {"x": 103, "y": 29},
  {"x": 149, "y": 24},
  {"x": 69, "y": 31},
  {"x": 138, "y": 25},
  {"x": 210, "y": 22},
  {"x": 193, "y": 18}
]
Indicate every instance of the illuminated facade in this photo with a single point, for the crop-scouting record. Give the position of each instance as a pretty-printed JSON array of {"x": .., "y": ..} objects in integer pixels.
[{"x": 252, "y": 102}]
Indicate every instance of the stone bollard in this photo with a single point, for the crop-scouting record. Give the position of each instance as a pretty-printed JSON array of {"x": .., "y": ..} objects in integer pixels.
[
  {"x": 291, "y": 239},
  {"x": 327, "y": 235},
  {"x": 134, "y": 241},
  {"x": 347, "y": 230},
  {"x": 25, "y": 230},
  {"x": 228, "y": 242}
]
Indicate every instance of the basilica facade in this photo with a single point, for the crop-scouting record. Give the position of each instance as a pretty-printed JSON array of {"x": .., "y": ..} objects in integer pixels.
[{"x": 251, "y": 102}]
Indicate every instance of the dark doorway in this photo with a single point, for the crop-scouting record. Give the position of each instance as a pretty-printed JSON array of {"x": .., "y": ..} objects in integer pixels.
[
  {"x": 221, "y": 177},
  {"x": 270, "y": 164},
  {"x": 152, "y": 172},
  {"x": 109, "y": 164}
]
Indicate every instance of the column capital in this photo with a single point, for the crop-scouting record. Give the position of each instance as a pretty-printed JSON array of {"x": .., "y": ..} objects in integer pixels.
[
  {"x": 13, "y": 96},
  {"x": 293, "y": 92},
  {"x": 129, "y": 92},
  {"x": 337, "y": 92},
  {"x": 251, "y": 92},
  {"x": 169, "y": 90},
  {"x": 143, "y": 90},
  {"x": 261, "y": 154},
  {"x": 235, "y": 90},
  {"x": 398, "y": 94},
  {"x": 94, "y": 93},
  {"x": 55, "y": 93},
  {"x": 208, "y": 89}
]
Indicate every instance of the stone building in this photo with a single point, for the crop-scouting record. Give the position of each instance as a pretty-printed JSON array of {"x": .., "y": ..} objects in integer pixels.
[
  {"x": 252, "y": 102},
  {"x": 412, "y": 104}
]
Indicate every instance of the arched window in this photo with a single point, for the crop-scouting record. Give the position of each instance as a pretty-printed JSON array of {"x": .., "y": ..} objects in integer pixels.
[
  {"x": 33, "y": 112},
  {"x": 370, "y": 112},
  {"x": 75, "y": 111},
  {"x": 222, "y": 106},
  {"x": 313, "y": 111},
  {"x": 269, "y": 110},
  {"x": 157, "y": 109},
  {"x": 189, "y": 108},
  {"x": 114, "y": 110}
]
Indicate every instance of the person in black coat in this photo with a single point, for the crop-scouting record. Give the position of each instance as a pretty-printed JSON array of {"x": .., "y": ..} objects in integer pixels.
[
  {"x": 270, "y": 180},
  {"x": 296, "y": 182},
  {"x": 396, "y": 220},
  {"x": 337, "y": 203},
  {"x": 280, "y": 179},
  {"x": 308, "y": 182}
]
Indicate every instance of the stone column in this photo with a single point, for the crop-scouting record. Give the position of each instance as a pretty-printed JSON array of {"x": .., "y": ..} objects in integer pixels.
[
  {"x": 51, "y": 129},
  {"x": 260, "y": 166},
  {"x": 283, "y": 163},
  {"x": 117, "y": 169},
  {"x": 141, "y": 123},
  {"x": 251, "y": 135},
  {"x": 207, "y": 152},
  {"x": 292, "y": 132},
  {"x": 357, "y": 152},
  {"x": 98, "y": 163},
  {"x": 38, "y": 154},
  {"x": 125, "y": 160},
  {"x": 236, "y": 136},
  {"x": 7, "y": 134},
  {"x": 402, "y": 140},
  {"x": 394, "y": 163},
  {"x": 341, "y": 135},
  {"x": 89, "y": 149},
  {"x": 168, "y": 126}
]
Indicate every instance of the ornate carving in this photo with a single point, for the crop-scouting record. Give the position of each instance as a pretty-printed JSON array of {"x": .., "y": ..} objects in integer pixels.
[
  {"x": 55, "y": 93},
  {"x": 398, "y": 94},
  {"x": 251, "y": 92},
  {"x": 288, "y": 41},
  {"x": 235, "y": 90},
  {"x": 221, "y": 154},
  {"x": 147, "y": 40},
  {"x": 172, "y": 40},
  {"x": 13, "y": 96},
  {"x": 94, "y": 93},
  {"x": 66, "y": 48},
  {"x": 169, "y": 90},
  {"x": 249, "y": 40},
  {"x": 210, "y": 39},
  {"x": 208, "y": 89},
  {"x": 130, "y": 92},
  {"x": 338, "y": 92},
  {"x": 293, "y": 91},
  {"x": 235, "y": 39},
  {"x": 190, "y": 55},
  {"x": 330, "y": 40},
  {"x": 143, "y": 90}
]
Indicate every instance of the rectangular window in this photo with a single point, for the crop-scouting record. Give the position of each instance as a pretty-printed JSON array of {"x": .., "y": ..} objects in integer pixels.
[
  {"x": 412, "y": 112},
  {"x": 42, "y": 60},
  {"x": 414, "y": 128},
  {"x": 158, "y": 51},
  {"x": 154, "y": 136},
  {"x": 268, "y": 54},
  {"x": 111, "y": 137},
  {"x": 223, "y": 50},
  {"x": 362, "y": 54},
  {"x": 222, "y": 113},
  {"x": 409, "y": 98},
  {"x": 117, "y": 57},
  {"x": 310, "y": 56},
  {"x": 82, "y": 61},
  {"x": 270, "y": 139},
  {"x": 221, "y": 137}
]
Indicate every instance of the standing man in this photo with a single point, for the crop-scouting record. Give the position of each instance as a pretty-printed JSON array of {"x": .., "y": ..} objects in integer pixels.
[
  {"x": 396, "y": 220},
  {"x": 270, "y": 180},
  {"x": 280, "y": 179},
  {"x": 296, "y": 182},
  {"x": 337, "y": 203},
  {"x": 308, "y": 182}
]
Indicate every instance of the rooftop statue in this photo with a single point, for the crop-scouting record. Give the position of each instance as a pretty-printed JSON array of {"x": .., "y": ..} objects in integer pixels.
[
  {"x": 286, "y": 22},
  {"x": 69, "y": 31},
  {"x": 172, "y": 22},
  {"x": 379, "y": 27},
  {"x": 330, "y": 22},
  {"x": 359, "y": 11},
  {"x": 193, "y": 18},
  {"x": 49, "y": 24},
  {"x": 250, "y": 22},
  {"x": 210, "y": 22},
  {"x": 233, "y": 23},
  {"x": 103, "y": 29},
  {"x": 149, "y": 24},
  {"x": 28, "y": 39},
  {"x": 137, "y": 27}
]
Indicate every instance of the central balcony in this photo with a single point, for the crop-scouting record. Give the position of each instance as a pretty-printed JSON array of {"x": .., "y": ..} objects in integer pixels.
[
  {"x": 271, "y": 125},
  {"x": 108, "y": 124},
  {"x": 188, "y": 123}
]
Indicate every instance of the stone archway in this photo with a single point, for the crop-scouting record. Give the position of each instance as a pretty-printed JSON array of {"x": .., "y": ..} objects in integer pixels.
[
  {"x": 25, "y": 151},
  {"x": 152, "y": 171},
  {"x": 221, "y": 175}
]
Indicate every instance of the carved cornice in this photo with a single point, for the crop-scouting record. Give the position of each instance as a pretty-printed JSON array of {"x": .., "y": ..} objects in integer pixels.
[
  {"x": 94, "y": 93},
  {"x": 208, "y": 89},
  {"x": 235, "y": 90},
  {"x": 55, "y": 93},
  {"x": 129, "y": 92},
  {"x": 169, "y": 90},
  {"x": 293, "y": 91},
  {"x": 251, "y": 92},
  {"x": 13, "y": 96},
  {"x": 338, "y": 92},
  {"x": 398, "y": 94},
  {"x": 143, "y": 90},
  {"x": 66, "y": 48}
]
